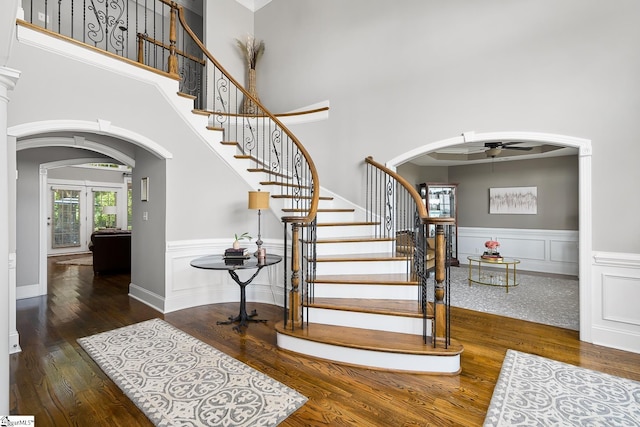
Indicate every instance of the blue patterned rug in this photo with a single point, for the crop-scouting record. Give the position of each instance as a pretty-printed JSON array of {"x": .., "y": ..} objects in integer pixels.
[
  {"x": 176, "y": 379},
  {"x": 535, "y": 391}
]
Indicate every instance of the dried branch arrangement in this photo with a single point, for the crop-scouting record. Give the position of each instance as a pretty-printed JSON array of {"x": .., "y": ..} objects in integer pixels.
[{"x": 252, "y": 50}]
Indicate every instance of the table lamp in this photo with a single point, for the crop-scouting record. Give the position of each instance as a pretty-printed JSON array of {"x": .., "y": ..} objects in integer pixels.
[
  {"x": 109, "y": 211},
  {"x": 259, "y": 200}
]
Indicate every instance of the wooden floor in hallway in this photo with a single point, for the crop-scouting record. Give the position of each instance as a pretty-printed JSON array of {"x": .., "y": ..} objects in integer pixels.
[{"x": 55, "y": 380}]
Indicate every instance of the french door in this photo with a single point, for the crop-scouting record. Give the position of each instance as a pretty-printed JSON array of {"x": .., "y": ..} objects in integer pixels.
[{"x": 75, "y": 211}]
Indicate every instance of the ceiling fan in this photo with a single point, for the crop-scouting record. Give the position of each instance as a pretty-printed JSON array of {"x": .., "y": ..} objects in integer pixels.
[{"x": 495, "y": 148}]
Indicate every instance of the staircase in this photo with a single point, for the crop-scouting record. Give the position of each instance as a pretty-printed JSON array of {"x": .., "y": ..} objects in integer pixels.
[
  {"x": 363, "y": 301},
  {"x": 353, "y": 297}
]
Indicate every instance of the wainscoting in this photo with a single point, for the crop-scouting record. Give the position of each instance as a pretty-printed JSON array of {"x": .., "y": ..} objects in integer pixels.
[
  {"x": 187, "y": 286},
  {"x": 547, "y": 251},
  {"x": 616, "y": 292}
]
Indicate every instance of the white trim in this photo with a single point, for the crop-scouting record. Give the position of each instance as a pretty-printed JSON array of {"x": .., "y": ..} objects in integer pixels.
[
  {"x": 585, "y": 202},
  {"x": 147, "y": 297},
  {"x": 99, "y": 127},
  {"x": 77, "y": 142},
  {"x": 254, "y": 5},
  {"x": 616, "y": 290}
]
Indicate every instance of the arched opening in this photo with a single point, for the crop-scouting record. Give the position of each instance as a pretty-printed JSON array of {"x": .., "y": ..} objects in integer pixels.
[
  {"x": 89, "y": 142},
  {"x": 584, "y": 206}
]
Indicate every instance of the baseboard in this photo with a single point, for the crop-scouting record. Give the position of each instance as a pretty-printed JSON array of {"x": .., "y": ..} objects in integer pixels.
[
  {"x": 28, "y": 291},
  {"x": 147, "y": 297},
  {"x": 14, "y": 343}
]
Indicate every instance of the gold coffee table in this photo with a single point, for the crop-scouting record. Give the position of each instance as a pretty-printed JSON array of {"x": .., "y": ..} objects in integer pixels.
[{"x": 492, "y": 277}]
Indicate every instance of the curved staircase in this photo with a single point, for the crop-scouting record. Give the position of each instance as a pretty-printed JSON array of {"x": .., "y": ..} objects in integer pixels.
[{"x": 363, "y": 308}]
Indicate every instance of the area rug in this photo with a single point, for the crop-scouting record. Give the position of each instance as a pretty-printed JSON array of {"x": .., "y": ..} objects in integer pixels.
[
  {"x": 541, "y": 299},
  {"x": 535, "y": 391},
  {"x": 175, "y": 379},
  {"x": 85, "y": 260}
]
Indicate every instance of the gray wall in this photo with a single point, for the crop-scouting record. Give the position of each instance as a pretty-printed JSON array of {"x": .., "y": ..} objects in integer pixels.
[
  {"x": 28, "y": 208},
  {"x": 402, "y": 74},
  {"x": 556, "y": 180},
  {"x": 418, "y": 174},
  {"x": 89, "y": 174},
  {"x": 148, "y": 237}
]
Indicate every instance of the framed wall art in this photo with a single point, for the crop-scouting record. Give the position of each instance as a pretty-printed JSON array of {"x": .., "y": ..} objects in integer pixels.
[
  {"x": 144, "y": 189},
  {"x": 513, "y": 200}
]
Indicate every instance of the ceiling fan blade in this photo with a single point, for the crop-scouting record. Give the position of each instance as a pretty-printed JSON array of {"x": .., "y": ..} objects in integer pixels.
[{"x": 507, "y": 147}]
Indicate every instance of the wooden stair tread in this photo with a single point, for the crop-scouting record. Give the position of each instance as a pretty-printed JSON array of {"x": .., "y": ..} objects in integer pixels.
[
  {"x": 365, "y": 279},
  {"x": 201, "y": 112},
  {"x": 187, "y": 95},
  {"x": 370, "y": 339},
  {"x": 345, "y": 224},
  {"x": 294, "y": 196},
  {"x": 319, "y": 210},
  {"x": 403, "y": 308},
  {"x": 284, "y": 184},
  {"x": 270, "y": 172},
  {"x": 385, "y": 256},
  {"x": 356, "y": 239},
  {"x": 216, "y": 128}
]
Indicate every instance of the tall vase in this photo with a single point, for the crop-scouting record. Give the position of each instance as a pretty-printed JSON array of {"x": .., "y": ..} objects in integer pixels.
[{"x": 250, "y": 107}]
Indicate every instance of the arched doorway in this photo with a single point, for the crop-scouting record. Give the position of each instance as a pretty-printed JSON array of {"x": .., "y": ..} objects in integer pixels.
[{"x": 585, "y": 173}]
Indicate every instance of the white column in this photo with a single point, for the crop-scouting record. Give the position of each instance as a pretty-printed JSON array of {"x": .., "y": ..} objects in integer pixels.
[{"x": 8, "y": 80}]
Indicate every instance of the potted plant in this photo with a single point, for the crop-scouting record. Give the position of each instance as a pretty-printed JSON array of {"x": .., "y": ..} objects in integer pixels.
[{"x": 243, "y": 236}]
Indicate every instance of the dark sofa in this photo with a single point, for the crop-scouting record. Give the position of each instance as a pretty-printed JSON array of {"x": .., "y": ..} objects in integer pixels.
[{"x": 111, "y": 251}]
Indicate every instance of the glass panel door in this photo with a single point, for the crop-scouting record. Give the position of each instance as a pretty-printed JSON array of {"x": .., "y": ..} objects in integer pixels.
[
  {"x": 105, "y": 209},
  {"x": 66, "y": 219}
]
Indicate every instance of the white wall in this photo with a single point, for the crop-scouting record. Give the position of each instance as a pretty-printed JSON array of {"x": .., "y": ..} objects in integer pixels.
[{"x": 405, "y": 73}]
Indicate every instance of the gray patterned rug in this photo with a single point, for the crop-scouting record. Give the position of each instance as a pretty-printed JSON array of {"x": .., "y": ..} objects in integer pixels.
[
  {"x": 541, "y": 299},
  {"x": 535, "y": 391},
  {"x": 176, "y": 379}
]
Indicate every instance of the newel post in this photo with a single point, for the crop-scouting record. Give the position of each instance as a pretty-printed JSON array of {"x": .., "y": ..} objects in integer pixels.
[
  {"x": 294, "y": 297},
  {"x": 440, "y": 309},
  {"x": 172, "y": 63}
]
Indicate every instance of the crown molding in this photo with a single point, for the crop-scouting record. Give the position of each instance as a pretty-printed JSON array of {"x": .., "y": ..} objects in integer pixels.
[{"x": 254, "y": 5}]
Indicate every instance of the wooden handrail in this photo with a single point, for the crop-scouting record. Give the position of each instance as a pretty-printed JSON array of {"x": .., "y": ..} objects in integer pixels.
[
  {"x": 297, "y": 113},
  {"x": 422, "y": 209},
  {"x": 313, "y": 208},
  {"x": 166, "y": 46}
]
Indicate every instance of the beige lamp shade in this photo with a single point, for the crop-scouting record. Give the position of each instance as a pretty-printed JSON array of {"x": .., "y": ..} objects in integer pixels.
[
  {"x": 258, "y": 200},
  {"x": 109, "y": 210}
]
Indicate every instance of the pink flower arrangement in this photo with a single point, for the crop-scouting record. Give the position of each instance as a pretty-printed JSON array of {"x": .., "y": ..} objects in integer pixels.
[{"x": 492, "y": 244}]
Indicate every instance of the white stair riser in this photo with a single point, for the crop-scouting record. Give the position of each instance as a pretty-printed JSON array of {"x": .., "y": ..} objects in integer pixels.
[
  {"x": 341, "y": 231},
  {"x": 335, "y": 216},
  {"x": 353, "y": 248},
  {"x": 372, "y": 359},
  {"x": 361, "y": 267},
  {"x": 376, "y": 322},
  {"x": 393, "y": 292}
]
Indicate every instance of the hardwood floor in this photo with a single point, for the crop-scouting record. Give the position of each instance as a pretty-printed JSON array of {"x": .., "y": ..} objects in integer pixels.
[{"x": 55, "y": 380}]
